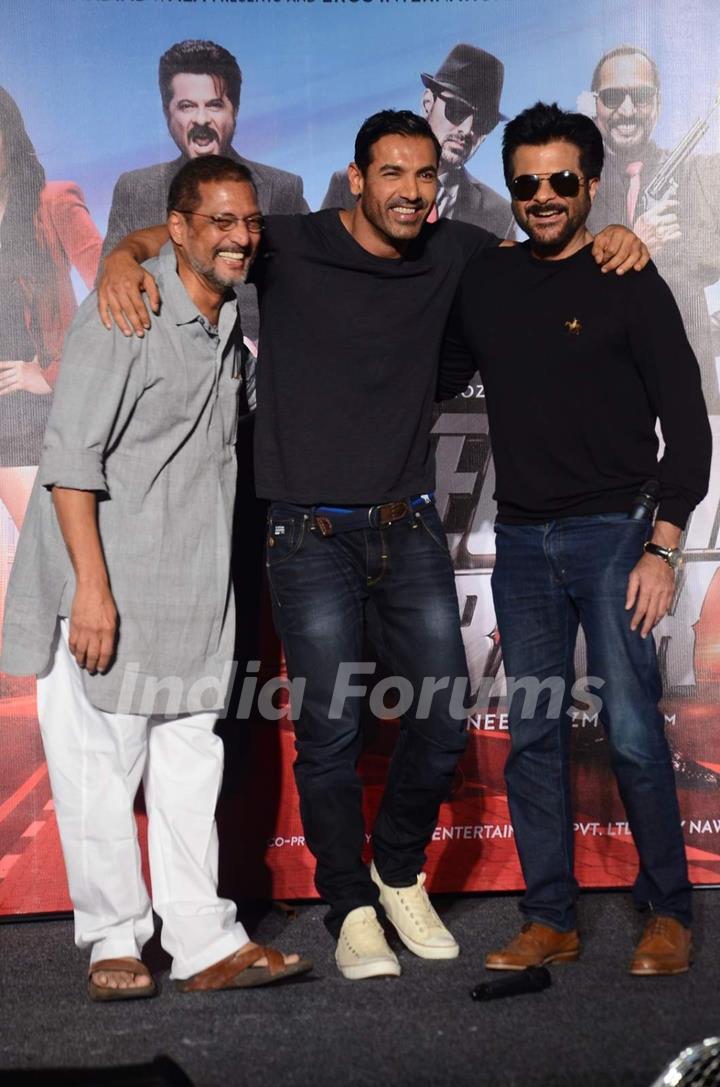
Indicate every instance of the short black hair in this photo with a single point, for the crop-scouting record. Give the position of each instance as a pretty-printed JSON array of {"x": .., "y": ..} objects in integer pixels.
[
  {"x": 200, "y": 58},
  {"x": 624, "y": 51},
  {"x": 184, "y": 193},
  {"x": 390, "y": 122},
  {"x": 543, "y": 123}
]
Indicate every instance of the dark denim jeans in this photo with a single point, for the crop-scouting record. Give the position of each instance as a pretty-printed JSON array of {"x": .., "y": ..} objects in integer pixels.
[
  {"x": 396, "y": 585},
  {"x": 548, "y": 579}
]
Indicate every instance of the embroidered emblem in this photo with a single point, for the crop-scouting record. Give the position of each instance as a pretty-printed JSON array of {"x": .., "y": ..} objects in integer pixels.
[{"x": 574, "y": 327}]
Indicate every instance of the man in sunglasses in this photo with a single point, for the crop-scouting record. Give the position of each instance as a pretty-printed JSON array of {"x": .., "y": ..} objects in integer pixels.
[
  {"x": 680, "y": 228},
  {"x": 577, "y": 370},
  {"x": 353, "y": 305},
  {"x": 462, "y": 105}
]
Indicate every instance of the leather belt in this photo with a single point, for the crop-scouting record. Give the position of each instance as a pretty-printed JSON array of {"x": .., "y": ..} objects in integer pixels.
[{"x": 328, "y": 520}]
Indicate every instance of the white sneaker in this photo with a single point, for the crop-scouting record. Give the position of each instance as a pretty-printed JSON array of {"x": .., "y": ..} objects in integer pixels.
[
  {"x": 415, "y": 920},
  {"x": 362, "y": 950}
]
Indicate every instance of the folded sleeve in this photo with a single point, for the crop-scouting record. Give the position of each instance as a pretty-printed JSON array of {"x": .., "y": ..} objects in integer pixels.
[{"x": 100, "y": 380}]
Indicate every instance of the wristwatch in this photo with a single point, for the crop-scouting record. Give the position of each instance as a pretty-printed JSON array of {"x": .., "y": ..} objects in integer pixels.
[{"x": 673, "y": 556}]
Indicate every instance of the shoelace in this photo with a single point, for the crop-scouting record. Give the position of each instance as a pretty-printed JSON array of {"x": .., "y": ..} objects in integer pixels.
[
  {"x": 419, "y": 902},
  {"x": 658, "y": 926},
  {"x": 361, "y": 922}
]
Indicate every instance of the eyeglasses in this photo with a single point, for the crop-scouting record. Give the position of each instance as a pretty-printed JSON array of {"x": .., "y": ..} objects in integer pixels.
[
  {"x": 456, "y": 111},
  {"x": 563, "y": 183},
  {"x": 613, "y": 97},
  {"x": 254, "y": 223}
]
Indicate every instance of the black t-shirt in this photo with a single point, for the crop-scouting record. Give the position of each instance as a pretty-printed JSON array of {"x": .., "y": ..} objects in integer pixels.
[
  {"x": 348, "y": 360},
  {"x": 577, "y": 367}
]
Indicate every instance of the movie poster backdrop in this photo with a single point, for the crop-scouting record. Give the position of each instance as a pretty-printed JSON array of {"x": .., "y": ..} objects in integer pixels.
[{"x": 80, "y": 106}]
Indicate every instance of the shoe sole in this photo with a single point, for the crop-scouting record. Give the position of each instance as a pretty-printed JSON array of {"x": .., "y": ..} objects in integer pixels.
[
  {"x": 381, "y": 968},
  {"x": 641, "y": 972},
  {"x": 562, "y": 956},
  {"x": 658, "y": 973}
]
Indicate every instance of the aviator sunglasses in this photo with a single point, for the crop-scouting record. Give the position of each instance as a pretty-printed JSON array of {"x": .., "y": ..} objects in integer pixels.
[
  {"x": 613, "y": 97},
  {"x": 563, "y": 183}
]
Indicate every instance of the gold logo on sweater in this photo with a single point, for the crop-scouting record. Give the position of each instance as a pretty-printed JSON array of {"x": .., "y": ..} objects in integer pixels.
[{"x": 574, "y": 327}]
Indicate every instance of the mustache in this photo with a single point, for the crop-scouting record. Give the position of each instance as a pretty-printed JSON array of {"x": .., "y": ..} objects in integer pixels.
[
  {"x": 459, "y": 137},
  {"x": 615, "y": 122},
  {"x": 201, "y": 132}
]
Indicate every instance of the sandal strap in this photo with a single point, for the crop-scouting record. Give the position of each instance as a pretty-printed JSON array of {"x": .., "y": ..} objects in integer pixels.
[
  {"x": 220, "y": 974},
  {"x": 276, "y": 960},
  {"x": 128, "y": 966}
]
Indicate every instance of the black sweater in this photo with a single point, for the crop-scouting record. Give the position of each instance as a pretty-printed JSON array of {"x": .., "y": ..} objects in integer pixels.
[
  {"x": 578, "y": 366},
  {"x": 348, "y": 360}
]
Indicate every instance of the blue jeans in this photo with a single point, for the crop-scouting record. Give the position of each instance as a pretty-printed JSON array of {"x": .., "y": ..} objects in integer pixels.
[
  {"x": 548, "y": 579},
  {"x": 395, "y": 585}
]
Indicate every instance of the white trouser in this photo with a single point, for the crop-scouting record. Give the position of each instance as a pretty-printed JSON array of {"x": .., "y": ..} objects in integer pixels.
[{"x": 96, "y": 761}]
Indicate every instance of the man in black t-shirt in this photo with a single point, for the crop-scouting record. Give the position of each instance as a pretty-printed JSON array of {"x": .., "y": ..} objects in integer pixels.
[
  {"x": 577, "y": 369},
  {"x": 353, "y": 306}
]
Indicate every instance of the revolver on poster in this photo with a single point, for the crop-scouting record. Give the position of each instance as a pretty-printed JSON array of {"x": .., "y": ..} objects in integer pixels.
[{"x": 664, "y": 184}]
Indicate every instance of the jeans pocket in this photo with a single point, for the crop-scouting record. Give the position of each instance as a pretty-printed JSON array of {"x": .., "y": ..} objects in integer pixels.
[
  {"x": 284, "y": 538},
  {"x": 283, "y": 541}
]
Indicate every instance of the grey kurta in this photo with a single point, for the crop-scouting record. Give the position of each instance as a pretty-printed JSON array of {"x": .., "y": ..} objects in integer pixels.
[{"x": 150, "y": 425}]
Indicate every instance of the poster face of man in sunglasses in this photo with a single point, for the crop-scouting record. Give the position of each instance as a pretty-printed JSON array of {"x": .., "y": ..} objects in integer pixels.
[
  {"x": 458, "y": 126},
  {"x": 627, "y": 103},
  {"x": 678, "y": 225}
]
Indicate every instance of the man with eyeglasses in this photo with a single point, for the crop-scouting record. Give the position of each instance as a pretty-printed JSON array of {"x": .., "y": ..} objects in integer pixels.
[
  {"x": 578, "y": 368},
  {"x": 121, "y": 602},
  {"x": 462, "y": 105},
  {"x": 681, "y": 228}
]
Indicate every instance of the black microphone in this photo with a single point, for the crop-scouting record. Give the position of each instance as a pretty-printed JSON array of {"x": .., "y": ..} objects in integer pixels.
[
  {"x": 533, "y": 979},
  {"x": 646, "y": 501}
]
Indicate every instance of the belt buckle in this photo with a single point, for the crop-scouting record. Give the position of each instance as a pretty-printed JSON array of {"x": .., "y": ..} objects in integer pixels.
[{"x": 392, "y": 512}]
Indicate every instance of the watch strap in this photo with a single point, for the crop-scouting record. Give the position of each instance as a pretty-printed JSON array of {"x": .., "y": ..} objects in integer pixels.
[{"x": 671, "y": 555}]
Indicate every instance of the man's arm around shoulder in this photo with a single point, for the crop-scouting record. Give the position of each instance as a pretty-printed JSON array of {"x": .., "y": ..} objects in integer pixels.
[{"x": 123, "y": 281}]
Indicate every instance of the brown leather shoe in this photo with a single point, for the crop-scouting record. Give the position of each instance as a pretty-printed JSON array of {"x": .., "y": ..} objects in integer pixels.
[
  {"x": 665, "y": 947},
  {"x": 535, "y": 945}
]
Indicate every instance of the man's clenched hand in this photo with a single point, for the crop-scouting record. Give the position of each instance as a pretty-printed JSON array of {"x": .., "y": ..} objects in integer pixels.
[{"x": 93, "y": 627}]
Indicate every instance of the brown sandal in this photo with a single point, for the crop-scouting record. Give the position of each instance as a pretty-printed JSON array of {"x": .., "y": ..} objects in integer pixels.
[
  {"x": 237, "y": 971},
  {"x": 129, "y": 966}
]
